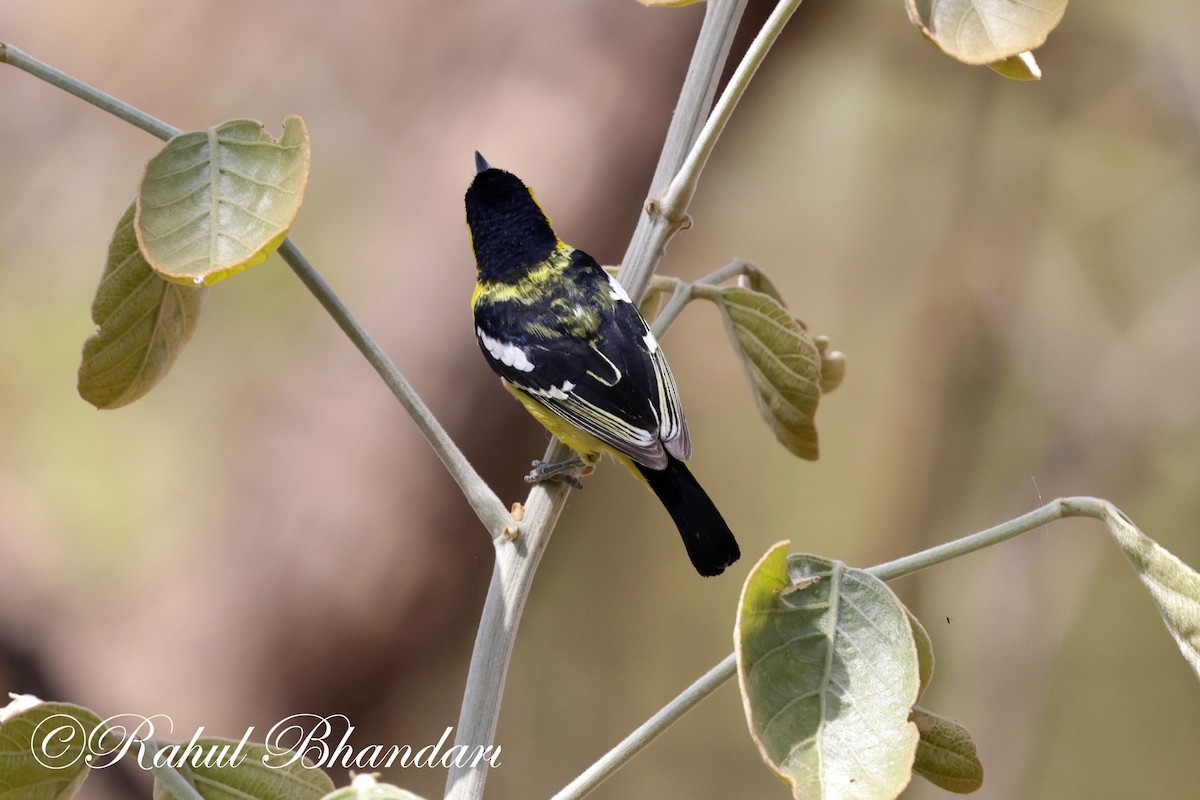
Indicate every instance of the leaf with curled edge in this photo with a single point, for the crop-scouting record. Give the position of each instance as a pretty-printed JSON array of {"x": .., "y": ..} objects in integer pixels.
[
  {"x": 143, "y": 323},
  {"x": 828, "y": 671},
  {"x": 45, "y": 748},
  {"x": 833, "y": 362},
  {"x": 258, "y": 772},
  {"x": 985, "y": 31},
  {"x": 365, "y": 787},
  {"x": 946, "y": 754},
  {"x": 1173, "y": 585},
  {"x": 1021, "y": 67},
  {"x": 782, "y": 362},
  {"x": 213, "y": 203}
]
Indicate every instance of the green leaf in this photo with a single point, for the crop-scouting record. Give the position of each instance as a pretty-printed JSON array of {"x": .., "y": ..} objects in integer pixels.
[
  {"x": 946, "y": 756},
  {"x": 924, "y": 645},
  {"x": 258, "y": 773},
  {"x": 754, "y": 278},
  {"x": 1174, "y": 586},
  {"x": 833, "y": 362},
  {"x": 828, "y": 671},
  {"x": 44, "y": 748},
  {"x": 364, "y": 787},
  {"x": 985, "y": 31},
  {"x": 215, "y": 202},
  {"x": 1021, "y": 67},
  {"x": 143, "y": 322},
  {"x": 782, "y": 362}
]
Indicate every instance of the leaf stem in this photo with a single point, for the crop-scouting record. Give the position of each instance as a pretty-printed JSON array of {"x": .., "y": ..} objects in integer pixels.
[
  {"x": 727, "y": 668},
  {"x": 170, "y": 777},
  {"x": 674, "y": 203},
  {"x": 684, "y": 292},
  {"x": 681, "y": 295},
  {"x": 487, "y": 506},
  {"x": 39, "y": 69},
  {"x": 512, "y": 576},
  {"x": 649, "y": 242},
  {"x": 736, "y": 267},
  {"x": 1054, "y": 510},
  {"x": 483, "y": 500},
  {"x": 649, "y": 730}
]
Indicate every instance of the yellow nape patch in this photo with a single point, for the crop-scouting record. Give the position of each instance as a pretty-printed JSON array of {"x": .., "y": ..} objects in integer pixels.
[{"x": 533, "y": 285}]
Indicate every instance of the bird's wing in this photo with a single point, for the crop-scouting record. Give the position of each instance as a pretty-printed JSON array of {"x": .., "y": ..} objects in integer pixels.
[{"x": 615, "y": 384}]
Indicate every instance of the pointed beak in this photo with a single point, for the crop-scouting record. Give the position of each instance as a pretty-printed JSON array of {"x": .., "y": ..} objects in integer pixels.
[{"x": 481, "y": 163}]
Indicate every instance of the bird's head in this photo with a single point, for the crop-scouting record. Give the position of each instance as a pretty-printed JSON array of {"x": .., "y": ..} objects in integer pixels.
[{"x": 509, "y": 230}]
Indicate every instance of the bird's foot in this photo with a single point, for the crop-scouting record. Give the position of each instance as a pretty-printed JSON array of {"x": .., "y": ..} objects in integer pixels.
[{"x": 559, "y": 471}]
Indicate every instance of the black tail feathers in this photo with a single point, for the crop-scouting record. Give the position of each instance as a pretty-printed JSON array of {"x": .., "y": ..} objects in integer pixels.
[{"x": 710, "y": 543}]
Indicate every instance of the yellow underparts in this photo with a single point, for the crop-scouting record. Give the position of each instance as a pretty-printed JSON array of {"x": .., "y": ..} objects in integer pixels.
[{"x": 589, "y": 448}]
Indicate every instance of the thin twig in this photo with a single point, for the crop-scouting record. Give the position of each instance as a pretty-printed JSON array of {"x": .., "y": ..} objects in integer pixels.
[
  {"x": 482, "y": 499},
  {"x": 675, "y": 201},
  {"x": 683, "y": 293},
  {"x": 654, "y": 231},
  {"x": 727, "y": 668},
  {"x": 649, "y": 730},
  {"x": 1054, "y": 510},
  {"x": 512, "y": 576},
  {"x": 136, "y": 117},
  {"x": 168, "y": 775}
]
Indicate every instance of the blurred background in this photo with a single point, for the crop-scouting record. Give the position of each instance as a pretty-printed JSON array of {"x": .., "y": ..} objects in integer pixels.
[{"x": 1013, "y": 271}]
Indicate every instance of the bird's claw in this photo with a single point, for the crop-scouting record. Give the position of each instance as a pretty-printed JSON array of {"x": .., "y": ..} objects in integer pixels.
[{"x": 561, "y": 472}]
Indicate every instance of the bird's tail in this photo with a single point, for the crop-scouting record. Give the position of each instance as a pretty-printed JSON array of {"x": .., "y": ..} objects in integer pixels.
[{"x": 710, "y": 543}]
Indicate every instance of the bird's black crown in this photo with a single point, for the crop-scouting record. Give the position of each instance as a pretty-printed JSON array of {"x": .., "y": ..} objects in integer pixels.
[{"x": 509, "y": 231}]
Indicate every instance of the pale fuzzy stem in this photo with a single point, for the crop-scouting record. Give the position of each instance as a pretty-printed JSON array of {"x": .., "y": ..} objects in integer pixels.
[
  {"x": 516, "y": 564},
  {"x": 482, "y": 499},
  {"x": 649, "y": 730},
  {"x": 653, "y": 231},
  {"x": 727, "y": 668},
  {"x": 134, "y": 116},
  {"x": 487, "y": 506},
  {"x": 675, "y": 201},
  {"x": 683, "y": 293},
  {"x": 169, "y": 776}
]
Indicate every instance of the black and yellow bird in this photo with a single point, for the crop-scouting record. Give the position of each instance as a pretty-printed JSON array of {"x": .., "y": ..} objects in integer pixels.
[{"x": 574, "y": 350}]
